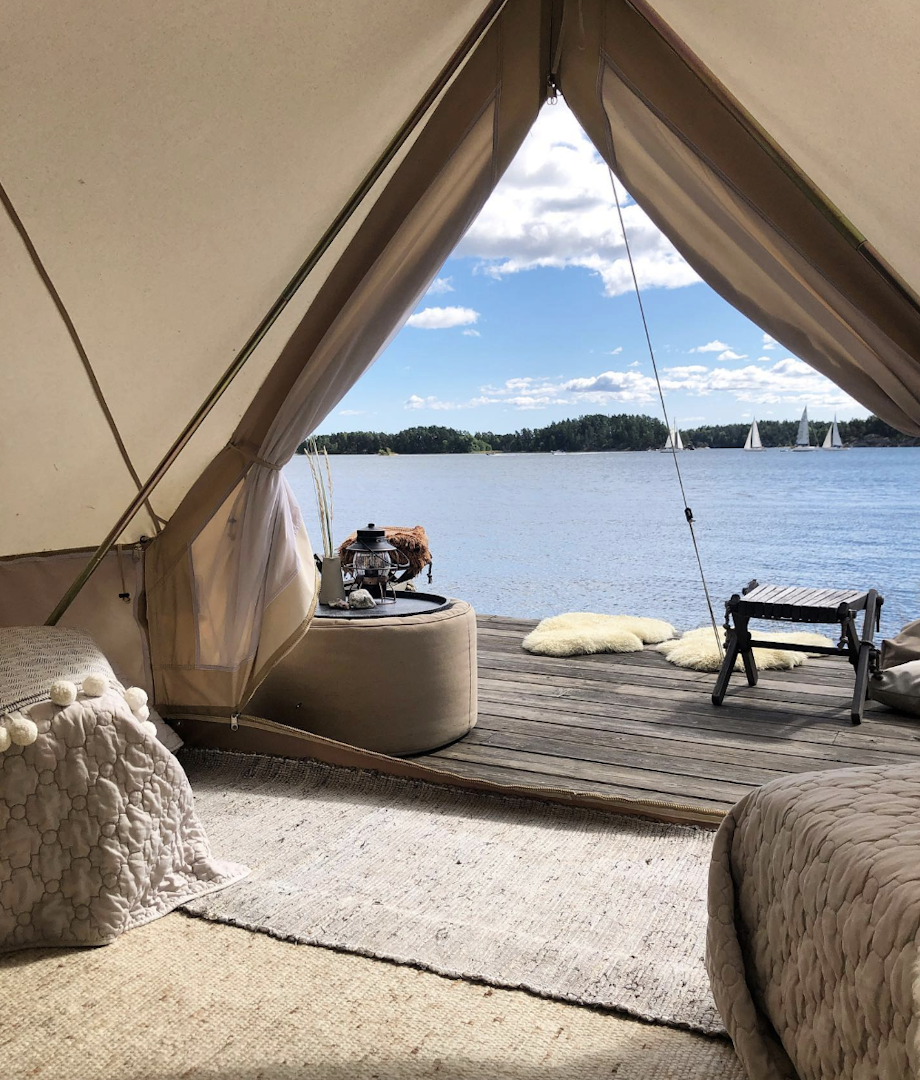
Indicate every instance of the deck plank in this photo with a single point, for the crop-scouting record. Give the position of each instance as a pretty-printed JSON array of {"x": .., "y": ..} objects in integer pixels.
[{"x": 633, "y": 725}]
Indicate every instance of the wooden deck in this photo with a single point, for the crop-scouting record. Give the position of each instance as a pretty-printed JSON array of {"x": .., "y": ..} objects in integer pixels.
[{"x": 634, "y": 725}]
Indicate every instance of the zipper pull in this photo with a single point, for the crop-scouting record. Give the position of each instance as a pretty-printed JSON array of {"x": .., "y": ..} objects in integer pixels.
[{"x": 234, "y": 721}]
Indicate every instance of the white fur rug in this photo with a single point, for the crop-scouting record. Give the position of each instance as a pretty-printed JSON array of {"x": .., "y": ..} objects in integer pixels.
[
  {"x": 699, "y": 650},
  {"x": 580, "y": 633}
]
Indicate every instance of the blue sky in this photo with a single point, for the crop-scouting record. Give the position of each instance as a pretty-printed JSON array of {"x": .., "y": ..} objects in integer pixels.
[{"x": 534, "y": 319}]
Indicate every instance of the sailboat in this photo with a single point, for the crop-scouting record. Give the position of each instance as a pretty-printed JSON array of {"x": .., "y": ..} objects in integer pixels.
[
  {"x": 673, "y": 441},
  {"x": 803, "y": 438},
  {"x": 752, "y": 442},
  {"x": 832, "y": 440}
]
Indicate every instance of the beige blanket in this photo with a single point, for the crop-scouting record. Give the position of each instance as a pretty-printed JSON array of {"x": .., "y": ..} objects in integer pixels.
[
  {"x": 98, "y": 829},
  {"x": 814, "y": 911}
]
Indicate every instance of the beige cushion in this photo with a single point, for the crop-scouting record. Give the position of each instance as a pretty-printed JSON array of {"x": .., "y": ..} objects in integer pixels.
[
  {"x": 395, "y": 686},
  {"x": 898, "y": 687},
  {"x": 902, "y": 648}
]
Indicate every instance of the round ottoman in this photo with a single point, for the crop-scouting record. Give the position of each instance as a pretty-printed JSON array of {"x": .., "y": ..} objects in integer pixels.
[{"x": 392, "y": 685}]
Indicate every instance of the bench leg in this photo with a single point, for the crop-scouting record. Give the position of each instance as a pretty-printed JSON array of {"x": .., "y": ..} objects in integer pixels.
[
  {"x": 750, "y": 665},
  {"x": 728, "y": 666},
  {"x": 863, "y": 658},
  {"x": 862, "y": 683},
  {"x": 745, "y": 646}
]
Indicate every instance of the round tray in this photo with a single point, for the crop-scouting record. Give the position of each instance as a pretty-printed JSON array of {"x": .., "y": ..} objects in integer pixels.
[{"x": 407, "y": 603}]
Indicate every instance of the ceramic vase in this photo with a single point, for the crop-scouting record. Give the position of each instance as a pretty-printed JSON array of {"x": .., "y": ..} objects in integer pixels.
[{"x": 331, "y": 585}]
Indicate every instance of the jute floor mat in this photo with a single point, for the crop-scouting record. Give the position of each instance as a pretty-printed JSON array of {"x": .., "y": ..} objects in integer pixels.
[{"x": 185, "y": 999}]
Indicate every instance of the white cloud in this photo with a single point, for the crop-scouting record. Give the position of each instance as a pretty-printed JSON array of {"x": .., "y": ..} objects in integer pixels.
[
  {"x": 768, "y": 342},
  {"x": 788, "y": 381},
  {"x": 634, "y": 364},
  {"x": 430, "y": 402},
  {"x": 352, "y": 412},
  {"x": 616, "y": 351},
  {"x": 765, "y": 359},
  {"x": 784, "y": 382},
  {"x": 730, "y": 354},
  {"x": 554, "y": 207},
  {"x": 711, "y": 346},
  {"x": 612, "y": 386},
  {"x": 440, "y": 285},
  {"x": 471, "y": 333},
  {"x": 442, "y": 318}
]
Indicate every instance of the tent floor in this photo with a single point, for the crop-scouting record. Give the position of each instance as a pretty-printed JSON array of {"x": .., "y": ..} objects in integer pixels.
[{"x": 634, "y": 725}]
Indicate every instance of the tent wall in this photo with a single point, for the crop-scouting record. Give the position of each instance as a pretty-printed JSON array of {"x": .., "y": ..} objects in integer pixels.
[
  {"x": 734, "y": 213},
  {"x": 30, "y": 586},
  {"x": 172, "y": 164},
  {"x": 230, "y": 580}
]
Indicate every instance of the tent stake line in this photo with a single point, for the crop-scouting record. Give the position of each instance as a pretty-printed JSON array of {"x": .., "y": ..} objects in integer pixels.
[{"x": 440, "y": 83}]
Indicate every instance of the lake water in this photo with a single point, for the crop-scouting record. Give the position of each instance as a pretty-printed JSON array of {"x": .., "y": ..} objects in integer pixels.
[{"x": 531, "y": 535}]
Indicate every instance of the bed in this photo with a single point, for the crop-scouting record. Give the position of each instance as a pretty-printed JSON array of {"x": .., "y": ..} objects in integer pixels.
[{"x": 814, "y": 912}]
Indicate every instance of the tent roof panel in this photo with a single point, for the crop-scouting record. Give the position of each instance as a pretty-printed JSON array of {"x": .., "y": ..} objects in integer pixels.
[
  {"x": 175, "y": 169},
  {"x": 825, "y": 79}
]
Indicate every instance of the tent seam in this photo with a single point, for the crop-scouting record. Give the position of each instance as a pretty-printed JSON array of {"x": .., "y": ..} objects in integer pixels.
[
  {"x": 62, "y": 311},
  {"x": 497, "y": 97}
]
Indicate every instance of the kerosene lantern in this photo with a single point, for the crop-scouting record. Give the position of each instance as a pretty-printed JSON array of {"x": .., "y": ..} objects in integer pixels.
[{"x": 372, "y": 563}]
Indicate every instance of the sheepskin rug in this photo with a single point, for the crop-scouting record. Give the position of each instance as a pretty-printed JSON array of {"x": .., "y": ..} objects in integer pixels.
[
  {"x": 580, "y": 633},
  {"x": 699, "y": 650}
]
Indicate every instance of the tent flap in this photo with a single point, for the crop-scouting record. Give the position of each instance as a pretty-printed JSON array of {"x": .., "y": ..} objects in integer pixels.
[
  {"x": 735, "y": 214},
  {"x": 221, "y": 576}
]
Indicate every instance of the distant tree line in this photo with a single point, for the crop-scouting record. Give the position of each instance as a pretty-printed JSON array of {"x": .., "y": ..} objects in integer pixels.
[
  {"x": 598, "y": 431},
  {"x": 415, "y": 440},
  {"x": 868, "y": 432}
]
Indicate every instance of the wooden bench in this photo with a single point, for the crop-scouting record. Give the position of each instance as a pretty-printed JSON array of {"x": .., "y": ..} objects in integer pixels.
[{"x": 785, "y": 603}]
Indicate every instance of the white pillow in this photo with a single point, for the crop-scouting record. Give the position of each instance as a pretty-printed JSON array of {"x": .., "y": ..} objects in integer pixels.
[
  {"x": 168, "y": 736},
  {"x": 898, "y": 687}
]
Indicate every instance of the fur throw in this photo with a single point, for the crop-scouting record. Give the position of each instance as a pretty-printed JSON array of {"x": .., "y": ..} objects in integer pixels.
[
  {"x": 581, "y": 633},
  {"x": 412, "y": 542},
  {"x": 699, "y": 650}
]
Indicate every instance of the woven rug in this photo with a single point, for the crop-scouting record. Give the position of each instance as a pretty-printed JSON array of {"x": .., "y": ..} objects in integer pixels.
[{"x": 570, "y": 904}]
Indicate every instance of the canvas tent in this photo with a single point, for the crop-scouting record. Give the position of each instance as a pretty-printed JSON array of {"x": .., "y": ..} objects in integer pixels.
[{"x": 166, "y": 169}]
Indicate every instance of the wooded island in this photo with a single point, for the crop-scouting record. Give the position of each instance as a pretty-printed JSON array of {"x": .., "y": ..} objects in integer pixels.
[{"x": 598, "y": 431}]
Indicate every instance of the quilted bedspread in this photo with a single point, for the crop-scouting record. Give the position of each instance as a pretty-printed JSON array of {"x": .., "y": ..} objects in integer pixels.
[
  {"x": 814, "y": 913},
  {"x": 98, "y": 830}
]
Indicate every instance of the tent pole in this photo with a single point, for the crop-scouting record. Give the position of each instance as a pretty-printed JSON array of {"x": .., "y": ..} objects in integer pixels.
[{"x": 452, "y": 66}]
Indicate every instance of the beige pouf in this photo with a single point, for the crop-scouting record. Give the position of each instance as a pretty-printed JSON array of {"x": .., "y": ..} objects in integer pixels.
[{"x": 395, "y": 686}]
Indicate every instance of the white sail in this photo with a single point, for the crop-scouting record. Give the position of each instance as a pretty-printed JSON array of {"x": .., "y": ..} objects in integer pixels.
[
  {"x": 836, "y": 441},
  {"x": 673, "y": 441},
  {"x": 804, "y": 437},
  {"x": 752, "y": 442},
  {"x": 832, "y": 440}
]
